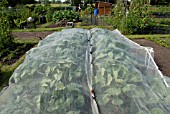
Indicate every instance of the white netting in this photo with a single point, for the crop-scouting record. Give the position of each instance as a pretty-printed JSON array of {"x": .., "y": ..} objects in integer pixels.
[{"x": 79, "y": 71}]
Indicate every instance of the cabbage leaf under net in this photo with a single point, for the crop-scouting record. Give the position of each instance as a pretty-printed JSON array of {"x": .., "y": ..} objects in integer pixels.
[{"x": 78, "y": 71}]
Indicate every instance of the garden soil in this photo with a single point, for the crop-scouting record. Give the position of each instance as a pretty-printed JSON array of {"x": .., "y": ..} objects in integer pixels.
[
  {"x": 161, "y": 54},
  {"x": 31, "y": 34}
]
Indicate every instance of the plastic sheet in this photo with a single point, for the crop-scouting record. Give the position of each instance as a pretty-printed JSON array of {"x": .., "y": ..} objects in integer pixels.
[{"x": 78, "y": 71}]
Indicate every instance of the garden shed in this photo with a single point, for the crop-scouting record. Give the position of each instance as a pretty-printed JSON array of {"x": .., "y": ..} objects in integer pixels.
[{"x": 105, "y": 8}]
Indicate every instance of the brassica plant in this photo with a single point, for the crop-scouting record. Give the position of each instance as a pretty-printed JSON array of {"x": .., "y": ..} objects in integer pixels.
[{"x": 79, "y": 71}]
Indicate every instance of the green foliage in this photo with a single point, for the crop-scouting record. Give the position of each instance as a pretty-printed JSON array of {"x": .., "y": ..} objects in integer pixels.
[
  {"x": 6, "y": 39},
  {"x": 85, "y": 15},
  {"x": 119, "y": 14},
  {"x": 39, "y": 10},
  {"x": 162, "y": 21},
  {"x": 38, "y": 29},
  {"x": 7, "y": 70},
  {"x": 86, "y": 2},
  {"x": 159, "y": 8},
  {"x": 87, "y": 11},
  {"x": 58, "y": 2},
  {"x": 11, "y": 55},
  {"x": 21, "y": 14},
  {"x": 44, "y": 10},
  {"x": 65, "y": 15},
  {"x": 135, "y": 19},
  {"x": 0, "y": 66},
  {"x": 4, "y": 3},
  {"x": 53, "y": 1},
  {"x": 138, "y": 17},
  {"x": 8, "y": 14},
  {"x": 49, "y": 17},
  {"x": 165, "y": 42},
  {"x": 49, "y": 14},
  {"x": 108, "y": 19},
  {"x": 75, "y": 2},
  {"x": 46, "y": 2},
  {"x": 21, "y": 46},
  {"x": 160, "y": 39},
  {"x": 15, "y": 2},
  {"x": 17, "y": 16}
]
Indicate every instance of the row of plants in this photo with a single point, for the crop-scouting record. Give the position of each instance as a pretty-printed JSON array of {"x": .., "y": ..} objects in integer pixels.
[
  {"x": 128, "y": 20},
  {"x": 7, "y": 71},
  {"x": 66, "y": 15},
  {"x": 163, "y": 21},
  {"x": 160, "y": 39},
  {"x": 18, "y": 15},
  {"x": 159, "y": 8},
  {"x": 165, "y": 42},
  {"x": 137, "y": 18},
  {"x": 55, "y": 14},
  {"x": 6, "y": 38},
  {"x": 134, "y": 20}
]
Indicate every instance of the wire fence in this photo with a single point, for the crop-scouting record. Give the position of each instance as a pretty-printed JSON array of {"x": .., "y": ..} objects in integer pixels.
[{"x": 94, "y": 20}]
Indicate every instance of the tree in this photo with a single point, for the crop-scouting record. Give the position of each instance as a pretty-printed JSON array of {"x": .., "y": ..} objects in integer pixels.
[
  {"x": 46, "y": 1},
  {"x": 58, "y": 1},
  {"x": 75, "y": 2},
  {"x": 4, "y": 3},
  {"x": 53, "y": 1},
  {"x": 133, "y": 20},
  {"x": 88, "y": 1},
  {"x": 15, "y": 2},
  {"x": 6, "y": 39}
]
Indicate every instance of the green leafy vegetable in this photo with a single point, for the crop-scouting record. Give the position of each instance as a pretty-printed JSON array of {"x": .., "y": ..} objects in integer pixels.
[{"x": 57, "y": 77}]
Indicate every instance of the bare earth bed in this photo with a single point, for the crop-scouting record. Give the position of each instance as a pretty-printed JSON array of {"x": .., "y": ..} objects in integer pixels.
[
  {"x": 31, "y": 34},
  {"x": 161, "y": 54}
]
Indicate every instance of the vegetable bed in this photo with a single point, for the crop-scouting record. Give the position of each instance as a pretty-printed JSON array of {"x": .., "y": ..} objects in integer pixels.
[{"x": 78, "y": 71}]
